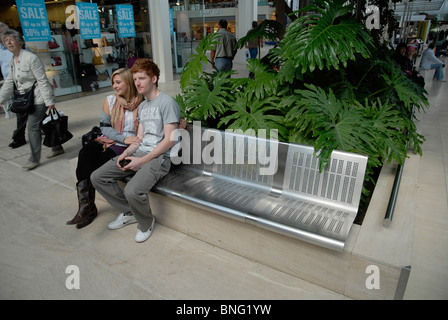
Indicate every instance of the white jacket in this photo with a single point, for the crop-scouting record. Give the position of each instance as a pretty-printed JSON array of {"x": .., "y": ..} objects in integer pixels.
[
  {"x": 429, "y": 58},
  {"x": 29, "y": 69}
]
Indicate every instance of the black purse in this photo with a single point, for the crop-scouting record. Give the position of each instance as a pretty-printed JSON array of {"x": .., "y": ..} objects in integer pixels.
[
  {"x": 91, "y": 135},
  {"x": 56, "y": 130},
  {"x": 23, "y": 103}
]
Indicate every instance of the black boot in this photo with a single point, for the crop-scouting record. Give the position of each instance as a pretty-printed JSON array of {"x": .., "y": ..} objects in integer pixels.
[{"x": 87, "y": 211}]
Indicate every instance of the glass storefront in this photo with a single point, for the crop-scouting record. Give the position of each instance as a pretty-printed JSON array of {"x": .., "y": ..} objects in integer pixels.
[
  {"x": 77, "y": 66},
  {"x": 194, "y": 19}
]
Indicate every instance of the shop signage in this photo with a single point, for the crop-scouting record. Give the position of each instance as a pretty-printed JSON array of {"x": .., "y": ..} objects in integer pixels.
[
  {"x": 171, "y": 22},
  {"x": 34, "y": 20},
  {"x": 211, "y": 13},
  {"x": 89, "y": 21},
  {"x": 125, "y": 18}
]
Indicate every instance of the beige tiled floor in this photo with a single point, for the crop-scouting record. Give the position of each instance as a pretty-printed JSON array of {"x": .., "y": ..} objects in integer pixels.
[
  {"x": 36, "y": 246},
  {"x": 429, "y": 275}
]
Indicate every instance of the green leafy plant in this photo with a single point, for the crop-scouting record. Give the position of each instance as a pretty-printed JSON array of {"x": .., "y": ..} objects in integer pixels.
[{"x": 326, "y": 38}]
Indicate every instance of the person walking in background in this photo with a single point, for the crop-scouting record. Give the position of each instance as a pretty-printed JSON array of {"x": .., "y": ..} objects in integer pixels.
[
  {"x": 146, "y": 162},
  {"x": 119, "y": 127},
  {"x": 18, "y": 136},
  {"x": 224, "y": 52},
  {"x": 25, "y": 69},
  {"x": 253, "y": 45},
  {"x": 429, "y": 61}
]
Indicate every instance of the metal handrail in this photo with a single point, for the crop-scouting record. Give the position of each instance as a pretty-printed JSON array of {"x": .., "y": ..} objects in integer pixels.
[
  {"x": 396, "y": 186},
  {"x": 394, "y": 194}
]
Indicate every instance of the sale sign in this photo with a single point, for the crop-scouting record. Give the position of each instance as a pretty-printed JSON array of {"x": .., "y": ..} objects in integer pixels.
[
  {"x": 34, "y": 20},
  {"x": 89, "y": 20},
  {"x": 125, "y": 18}
]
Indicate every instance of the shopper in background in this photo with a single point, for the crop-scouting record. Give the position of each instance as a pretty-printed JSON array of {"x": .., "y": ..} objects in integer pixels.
[
  {"x": 253, "y": 45},
  {"x": 119, "y": 127},
  {"x": 18, "y": 136},
  {"x": 429, "y": 61},
  {"x": 224, "y": 52},
  {"x": 25, "y": 69}
]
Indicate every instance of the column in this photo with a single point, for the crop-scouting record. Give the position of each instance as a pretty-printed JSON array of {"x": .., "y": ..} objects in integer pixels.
[
  {"x": 246, "y": 13},
  {"x": 161, "y": 38}
]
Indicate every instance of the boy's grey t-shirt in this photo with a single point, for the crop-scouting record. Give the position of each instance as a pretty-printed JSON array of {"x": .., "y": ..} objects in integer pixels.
[{"x": 153, "y": 115}]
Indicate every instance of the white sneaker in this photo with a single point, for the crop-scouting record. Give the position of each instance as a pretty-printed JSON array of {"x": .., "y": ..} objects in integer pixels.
[
  {"x": 143, "y": 236},
  {"x": 122, "y": 221}
]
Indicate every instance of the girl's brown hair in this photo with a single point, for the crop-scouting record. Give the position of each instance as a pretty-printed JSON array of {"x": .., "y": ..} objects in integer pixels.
[{"x": 126, "y": 76}]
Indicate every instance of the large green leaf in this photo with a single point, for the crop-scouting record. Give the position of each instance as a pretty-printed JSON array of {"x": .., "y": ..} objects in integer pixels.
[
  {"x": 327, "y": 38},
  {"x": 345, "y": 125},
  {"x": 264, "y": 82},
  {"x": 193, "y": 69},
  {"x": 209, "y": 99},
  {"x": 248, "y": 113}
]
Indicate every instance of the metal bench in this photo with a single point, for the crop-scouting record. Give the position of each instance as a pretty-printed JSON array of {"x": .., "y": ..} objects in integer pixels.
[{"x": 296, "y": 200}]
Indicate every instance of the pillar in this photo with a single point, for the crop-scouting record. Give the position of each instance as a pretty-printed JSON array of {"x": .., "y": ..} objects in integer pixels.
[
  {"x": 246, "y": 13},
  {"x": 161, "y": 38}
]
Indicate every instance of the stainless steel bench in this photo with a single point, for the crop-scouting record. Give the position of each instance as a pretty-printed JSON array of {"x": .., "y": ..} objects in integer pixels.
[{"x": 296, "y": 200}]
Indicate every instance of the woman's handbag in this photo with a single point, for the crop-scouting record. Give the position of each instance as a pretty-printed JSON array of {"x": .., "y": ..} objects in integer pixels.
[
  {"x": 98, "y": 59},
  {"x": 90, "y": 136},
  {"x": 56, "y": 61},
  {"x": 23, "y": 103},
  {"x": 102, "y": 76},
  {"x": 53, "y": 44},
  {"x": 56, "y": 130},
  {"x": 65, "y": 79}
]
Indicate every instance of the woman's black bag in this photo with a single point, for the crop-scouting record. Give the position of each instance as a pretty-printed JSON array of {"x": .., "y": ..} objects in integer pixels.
[
  {"x": 23, "y": 103},
  {"x": 91, "y": 135},
  {"x": 56, "y": 130}
]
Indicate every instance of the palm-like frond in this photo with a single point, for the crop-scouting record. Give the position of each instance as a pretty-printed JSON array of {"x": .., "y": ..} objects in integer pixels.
[
  {"x": 398, "y": 86},
  {"x": 194, "y": 66},
  {"x": 268, "y": 29},
  {"x": 248, "y": 113},
  {"x": 327, "y": 38},
  {"x": 346, "y": 125},
  {"x": 264, "y": 82},
  {"x": 210, "y": 97}
]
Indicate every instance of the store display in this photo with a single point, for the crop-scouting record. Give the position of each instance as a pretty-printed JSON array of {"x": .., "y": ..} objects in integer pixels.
[{"x": 89, "y": 43}]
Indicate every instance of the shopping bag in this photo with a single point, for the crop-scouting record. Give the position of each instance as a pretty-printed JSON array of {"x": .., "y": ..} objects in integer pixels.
[{"x": 56, "y": 130}]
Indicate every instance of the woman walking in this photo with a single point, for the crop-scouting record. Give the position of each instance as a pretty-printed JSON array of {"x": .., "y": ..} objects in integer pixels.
[{"x": 25, "y": 70}]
